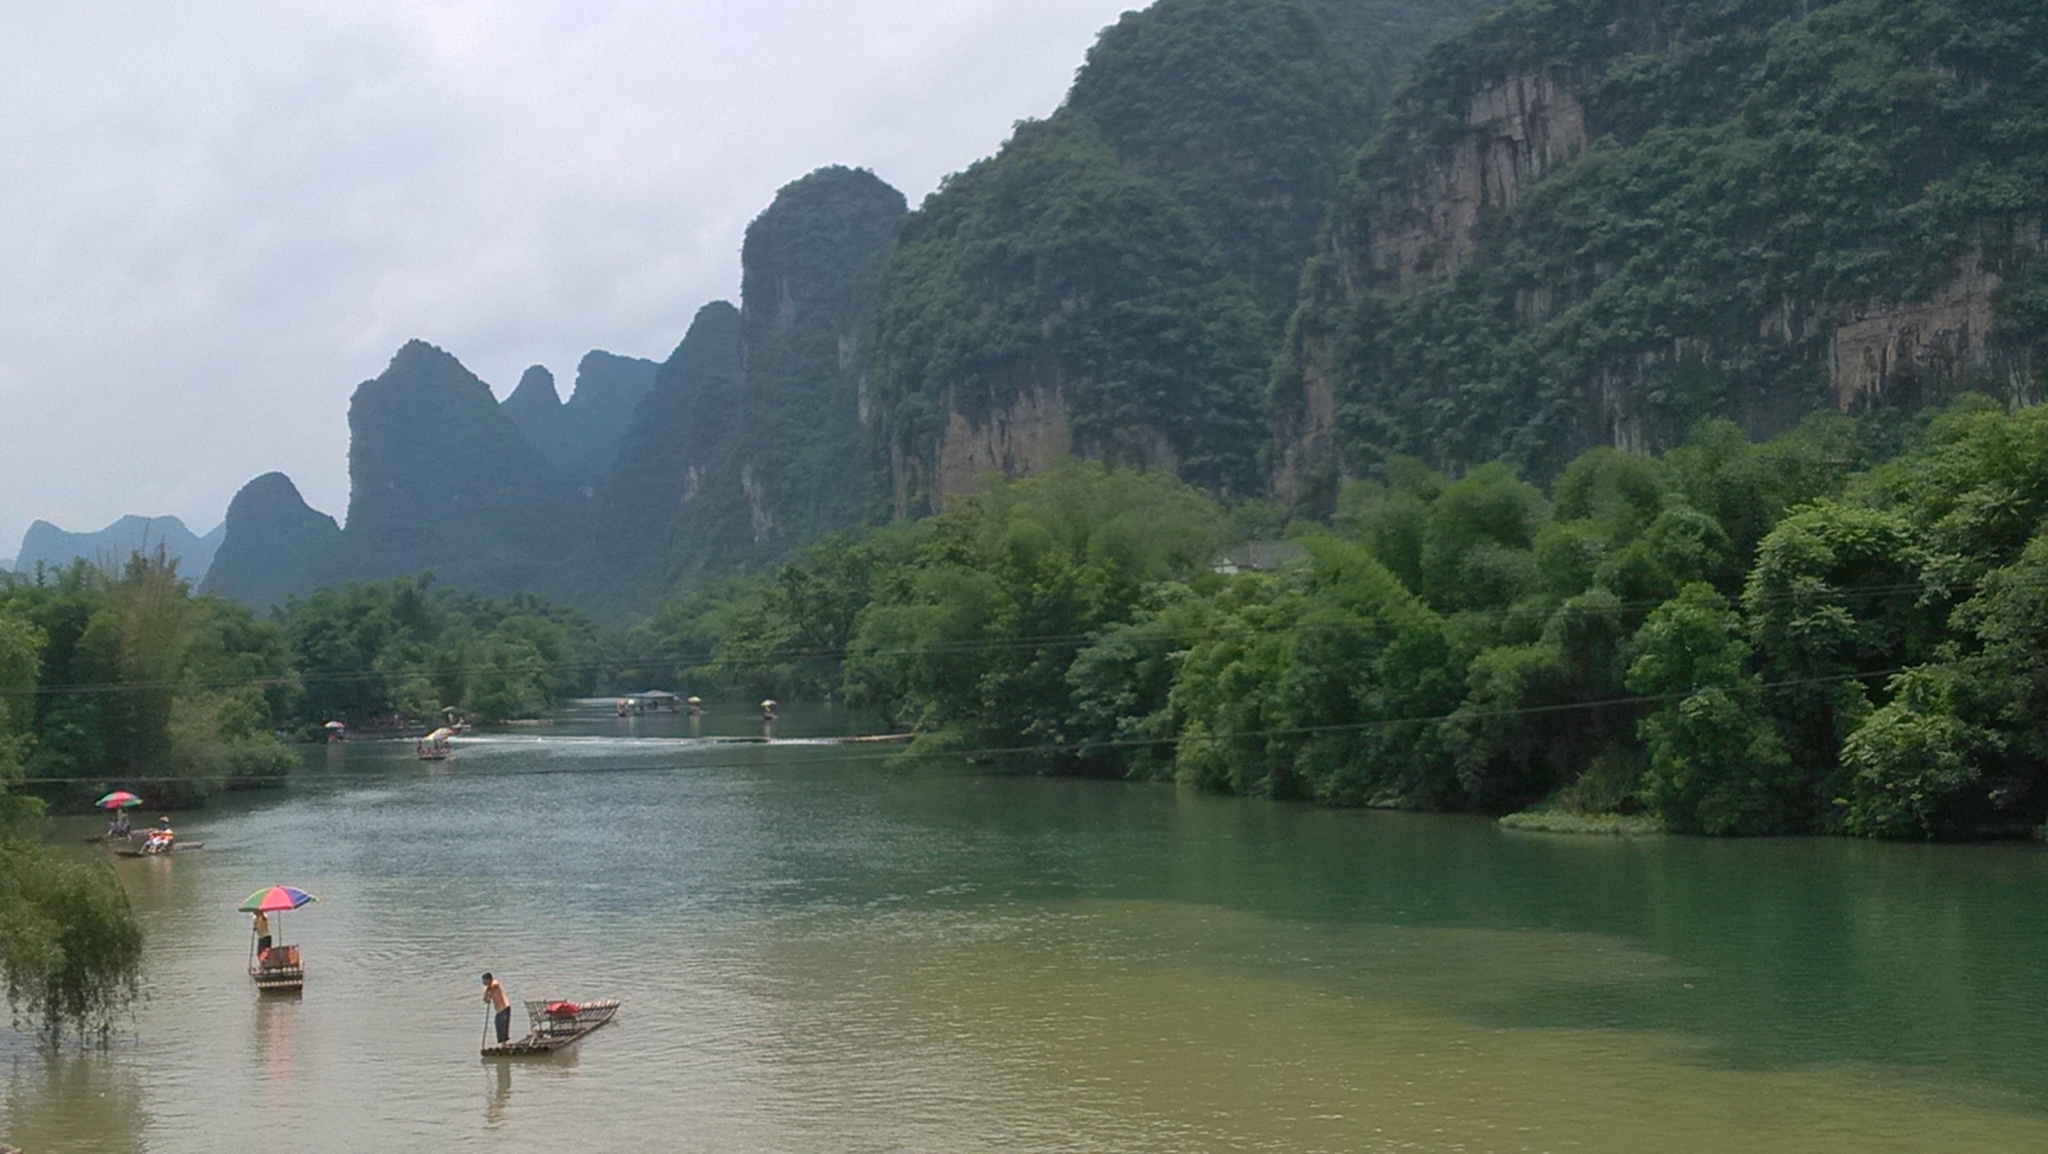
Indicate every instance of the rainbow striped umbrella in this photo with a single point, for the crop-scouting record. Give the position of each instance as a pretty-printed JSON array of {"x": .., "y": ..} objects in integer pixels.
[
  {"x": 119, "y": 799},
  {"x": 274, "y": 900}
]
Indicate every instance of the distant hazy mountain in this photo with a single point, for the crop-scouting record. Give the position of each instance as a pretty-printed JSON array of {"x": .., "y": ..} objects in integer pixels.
[
  {"x": 581, "y": 436},
  {"x": 441, "y": 478},
  {"x": 273, "y": 544},
  {"x": 536, "y": 408},
  {"x": 46, "y": 544}
]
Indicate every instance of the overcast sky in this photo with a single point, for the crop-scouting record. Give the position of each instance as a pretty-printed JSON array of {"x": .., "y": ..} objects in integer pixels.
[{"x": 216, "y": 218}]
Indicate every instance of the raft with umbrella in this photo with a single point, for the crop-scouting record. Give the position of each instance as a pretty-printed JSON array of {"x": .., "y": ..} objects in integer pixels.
[
  {"x": 115, "y": 802},
  {"x": 554, "y": 1024},
  {"x": 279, "y": 968},
  {"x": 157, "y": 841},
  {"x": 434, "y": 746}
]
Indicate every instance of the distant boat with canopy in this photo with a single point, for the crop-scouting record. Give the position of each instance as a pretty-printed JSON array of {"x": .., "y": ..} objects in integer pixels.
[{"x": 434, "y": 746}]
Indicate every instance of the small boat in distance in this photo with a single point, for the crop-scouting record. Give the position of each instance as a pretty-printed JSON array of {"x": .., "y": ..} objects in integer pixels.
[
  {"x": 434, "y": 746},
  {"x": 555, "y": 1025}
]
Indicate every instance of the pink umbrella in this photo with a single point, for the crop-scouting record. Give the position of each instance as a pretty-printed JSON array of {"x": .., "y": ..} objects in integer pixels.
[{"x": 119, "y": 799}]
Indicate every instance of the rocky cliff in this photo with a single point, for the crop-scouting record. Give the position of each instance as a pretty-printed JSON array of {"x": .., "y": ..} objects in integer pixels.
[
  {"x": 273, "y": 545},
  {"x": 691, "y": 408},
  {"x": 1599, "y": 221},
  {"x": 789, "y": 456},
  {"x": 581, "y": 436},
  {"x": 1113, "y": 283},
  {"x": 536, "y": 408},
  {"x": 440, "y": 478}
]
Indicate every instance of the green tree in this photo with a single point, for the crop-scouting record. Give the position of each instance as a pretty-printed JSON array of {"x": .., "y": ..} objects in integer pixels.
[
  {"x": 70, "y": 947},
  {"x": 1715, "y": 763}
]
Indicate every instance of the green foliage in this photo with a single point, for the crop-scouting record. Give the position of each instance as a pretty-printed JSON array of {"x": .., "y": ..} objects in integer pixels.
[
  {"x": 70, "y": 948},
  {"x": 404, "y": 647},
  {"x": 21, "y": 644},
  {"x": 1127, "y": 263},
  {"x": 975, "y": 636},
  {"x": 147, "y": 684},
  {"x": 1732, "y": 639},
  {"x": 1916, "y": 769},
  {"x": 1321, "y": 682},
  {"x": 1716, "y": 765},
  {"x": 1050, "y": 266},
  {"x": 1243, "y": 110},
  {"x": 1756, "y": 170}
]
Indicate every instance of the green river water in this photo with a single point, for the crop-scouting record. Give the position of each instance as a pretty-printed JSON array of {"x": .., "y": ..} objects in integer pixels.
[{"x": 818, "y": 952}]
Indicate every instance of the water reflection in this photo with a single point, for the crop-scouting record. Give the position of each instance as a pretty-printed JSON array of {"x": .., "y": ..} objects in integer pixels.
[
  {"x": 73, "y": 1100},
  {"x": 499, "y": 1093},
  {"x": 277, "y": 1048}
]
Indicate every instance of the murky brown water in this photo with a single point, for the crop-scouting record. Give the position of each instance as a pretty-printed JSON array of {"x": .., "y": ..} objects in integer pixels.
[{"x": 820, "y": 953}]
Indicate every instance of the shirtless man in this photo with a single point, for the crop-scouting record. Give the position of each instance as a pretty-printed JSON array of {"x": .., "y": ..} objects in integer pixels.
[{"x": 494, "y": 996}]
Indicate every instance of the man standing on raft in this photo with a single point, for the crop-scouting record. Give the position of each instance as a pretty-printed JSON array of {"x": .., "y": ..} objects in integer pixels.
[{"x": 494, "y": 994}]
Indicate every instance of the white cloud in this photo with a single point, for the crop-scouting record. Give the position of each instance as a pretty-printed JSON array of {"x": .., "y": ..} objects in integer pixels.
[{"x": 218, "y": 217}]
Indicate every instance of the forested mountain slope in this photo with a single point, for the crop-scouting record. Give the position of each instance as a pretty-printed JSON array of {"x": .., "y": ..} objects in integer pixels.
[
  {"x": 689, "y": 409},
  {"x": 1593, "y": 222},
  {"x": 1113, "y": 282},
  {"x": 272, "y": 547},
  {"x": 785, "y": 455},
  {"x": 440, "y": 478},
  {"x": 581, "y": 436}
]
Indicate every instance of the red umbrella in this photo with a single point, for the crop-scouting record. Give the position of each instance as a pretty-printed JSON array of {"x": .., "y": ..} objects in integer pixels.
[{"x": 119, "y": 799}]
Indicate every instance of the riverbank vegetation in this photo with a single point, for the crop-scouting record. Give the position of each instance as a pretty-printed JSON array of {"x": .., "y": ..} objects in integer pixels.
[
  {"x": 125, "y": 679},
  {"x": 139, "y": 684},
  {"x": 1836, "y": 631},
  {"x": 409, "y": 649},
  {"x": 70, "y": 946}
]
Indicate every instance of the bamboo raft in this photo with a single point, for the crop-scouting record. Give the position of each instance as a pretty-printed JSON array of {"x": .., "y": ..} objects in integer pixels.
[
  {"x": 556, "y": 1025},
  {"x": 176, "y": 847},
  {"x": 278, "y": 970}
]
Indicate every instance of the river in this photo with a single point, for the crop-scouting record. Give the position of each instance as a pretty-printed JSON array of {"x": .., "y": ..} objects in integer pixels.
[{"x": 818, "y": 951}]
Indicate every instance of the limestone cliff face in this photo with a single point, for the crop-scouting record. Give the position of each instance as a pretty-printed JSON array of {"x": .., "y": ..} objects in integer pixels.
[
  {"x": 273, "y": 544},
  {"x": 1425, "y": 229},
  {"x": 440, "y": 478},
  {"x": 1024, "y": 436},
  {"x": 659, "y": 466},
  {"x": 1597, "y": 224},
  {"x": 1307, "y": 459},
  {"x": 1421, "y": 226},
  {"x": 1925, "y": 349},
  {"x": 581, "y": 437},
  {"x": 536, "y": 408},
  {"x": 780, "y": 453}
]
